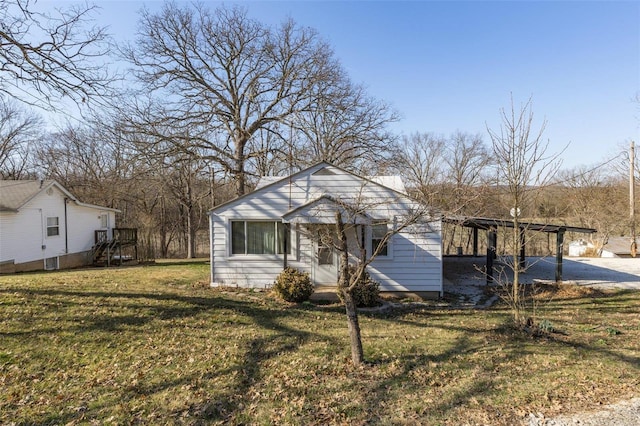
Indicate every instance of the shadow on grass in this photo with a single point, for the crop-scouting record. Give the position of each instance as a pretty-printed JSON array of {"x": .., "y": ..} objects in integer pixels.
[
  {"x": 276, "y": 340},
  {"x": 514, "y": 344}
]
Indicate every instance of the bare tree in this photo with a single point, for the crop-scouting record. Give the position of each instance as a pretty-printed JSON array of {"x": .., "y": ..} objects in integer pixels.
[
  {"x": 524, "y": 165},
  {"x": 19, "y": 129},
  {"x": 344, "y": 223},
  {"x": 346, "y": 127},
  {"x": 468, "y": 162},
  {"x": 48, "y": 56},
  {"x": 596, "y": 199},
  {"x": 422, "y": 165},
  {"x": 96, "y": 161},
  {"x": 227, "y": 73}
]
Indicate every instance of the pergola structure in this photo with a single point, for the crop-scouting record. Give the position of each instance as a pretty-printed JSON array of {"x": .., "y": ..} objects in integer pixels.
[{"x": 491, "y": 225}]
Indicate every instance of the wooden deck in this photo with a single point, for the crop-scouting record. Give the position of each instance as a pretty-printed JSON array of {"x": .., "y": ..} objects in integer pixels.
[{"x": 106, "y": 252}]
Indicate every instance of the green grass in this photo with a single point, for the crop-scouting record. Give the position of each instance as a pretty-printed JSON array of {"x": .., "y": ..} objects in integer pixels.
[{"x": 155, "y": 345}]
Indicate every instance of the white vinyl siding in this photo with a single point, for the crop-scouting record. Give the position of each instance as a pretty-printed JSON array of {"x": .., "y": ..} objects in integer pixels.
[
  {"x": 413, "y": 261},
  {"x": 26, "y": 235}
]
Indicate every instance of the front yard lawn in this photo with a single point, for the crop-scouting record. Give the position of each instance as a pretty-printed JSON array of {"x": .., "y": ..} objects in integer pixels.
[{"x": 155, "y": 345}]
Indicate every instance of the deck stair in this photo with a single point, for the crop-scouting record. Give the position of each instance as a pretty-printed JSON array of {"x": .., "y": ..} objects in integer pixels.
[{"x": 107, "y": 252}]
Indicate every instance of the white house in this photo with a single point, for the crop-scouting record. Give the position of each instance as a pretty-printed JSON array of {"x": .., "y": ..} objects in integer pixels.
[
  {"x": 44, "y": 226},
  {"x": 284, "y": 222}
]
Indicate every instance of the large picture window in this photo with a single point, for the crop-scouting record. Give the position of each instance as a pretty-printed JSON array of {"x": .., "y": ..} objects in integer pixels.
[
  {"x": 259, "y": 237},
  {"x": 53, "y": 226}
]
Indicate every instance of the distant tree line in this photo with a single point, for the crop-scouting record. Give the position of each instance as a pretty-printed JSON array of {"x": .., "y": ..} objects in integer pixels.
[{"x": 214, "y": 99}]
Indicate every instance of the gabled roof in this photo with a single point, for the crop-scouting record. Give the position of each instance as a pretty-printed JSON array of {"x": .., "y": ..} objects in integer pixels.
[
  {"x": 389, "y": 181},
  {"x": 319, "y": 216},
  {"x": 14, "y": 194},
  {"x": 266, "y": 182}
]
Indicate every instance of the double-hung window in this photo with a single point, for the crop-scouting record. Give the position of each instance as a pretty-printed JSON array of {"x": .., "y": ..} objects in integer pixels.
[
  {"x": 259, "y": 237},
  {"x": 53, "y": 226},
  {"x": 378, "y": 232}
]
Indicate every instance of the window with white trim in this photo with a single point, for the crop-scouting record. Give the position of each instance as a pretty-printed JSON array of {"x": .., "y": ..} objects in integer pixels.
[
  {"x": 104, "y": 220},
  {"x": 259, "y": 237},
  {"x": 53, "y": 226},
  {"x": 378, "y": 232}
]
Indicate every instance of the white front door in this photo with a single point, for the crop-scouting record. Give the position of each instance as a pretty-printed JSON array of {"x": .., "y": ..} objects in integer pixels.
[{"x": 325, "y": 265}]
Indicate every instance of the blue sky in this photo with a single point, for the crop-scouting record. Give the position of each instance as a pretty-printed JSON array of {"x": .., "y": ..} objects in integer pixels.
[{"x": 448, "y": 66}]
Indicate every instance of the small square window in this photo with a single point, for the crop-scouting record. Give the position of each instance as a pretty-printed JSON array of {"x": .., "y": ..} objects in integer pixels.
[
  {"x": 51, "y": 263},
  {"x": 53, "y": 226}
]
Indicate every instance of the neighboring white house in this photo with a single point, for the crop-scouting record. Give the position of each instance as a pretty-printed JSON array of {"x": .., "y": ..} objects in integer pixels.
[
  {"x": 580, "y": 247},
  {"x": 615, "y": 247},
  {"x": 281, "y": 223},
  {"x": 43, "y": 226}
]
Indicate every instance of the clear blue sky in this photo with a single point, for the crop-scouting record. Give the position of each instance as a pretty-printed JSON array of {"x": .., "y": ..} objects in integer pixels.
[{"x": 448, "y": 66}]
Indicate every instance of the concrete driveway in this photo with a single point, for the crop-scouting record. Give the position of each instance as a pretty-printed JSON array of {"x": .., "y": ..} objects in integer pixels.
[{"x": 590, "y": 271}]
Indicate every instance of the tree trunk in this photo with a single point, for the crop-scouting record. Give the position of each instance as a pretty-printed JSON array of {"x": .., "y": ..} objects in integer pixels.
[
  {"x": 357, "y": 355},
  {"x": 239, "y": 160},
  {"x": 164, "y": 245},
  {"x": 191, "y": 234},
  {"x": 344, "y": 286},
  {"x": 191, "y": 223},
  {"x": 516, "y": 270}
]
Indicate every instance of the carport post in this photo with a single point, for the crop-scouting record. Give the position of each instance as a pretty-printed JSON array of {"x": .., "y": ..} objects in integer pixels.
[
  {"x": 559, "y": 247},
  {"x": 491, "y": 252},
  {"x": 523, "y": 262},
  {"x": 475, "y": 242}
]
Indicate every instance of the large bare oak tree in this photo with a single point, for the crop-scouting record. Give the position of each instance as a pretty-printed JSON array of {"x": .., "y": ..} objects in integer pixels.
[{"x": 226, "y": 74}]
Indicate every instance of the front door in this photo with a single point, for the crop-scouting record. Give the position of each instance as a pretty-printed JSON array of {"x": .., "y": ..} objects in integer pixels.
[{"x": 325, "y": 265}]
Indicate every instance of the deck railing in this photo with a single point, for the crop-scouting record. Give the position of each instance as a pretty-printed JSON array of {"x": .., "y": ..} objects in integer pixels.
[
  {"x": 106, "y": 249},
  {"x": 126, "y": 236}
]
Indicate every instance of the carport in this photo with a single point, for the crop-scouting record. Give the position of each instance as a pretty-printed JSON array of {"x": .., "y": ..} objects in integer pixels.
[{"x": 491, "y": 226}]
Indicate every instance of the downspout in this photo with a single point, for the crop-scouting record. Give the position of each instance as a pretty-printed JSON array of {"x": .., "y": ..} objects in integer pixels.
[
  {"x": 42, "y": 231},
  {"x": 66, "y": 232}
]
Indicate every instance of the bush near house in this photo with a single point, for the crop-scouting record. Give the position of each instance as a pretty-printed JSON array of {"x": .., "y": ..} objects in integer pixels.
[
  {"x": 293, "y": 285},
  {"x": 366, "y": 293}
]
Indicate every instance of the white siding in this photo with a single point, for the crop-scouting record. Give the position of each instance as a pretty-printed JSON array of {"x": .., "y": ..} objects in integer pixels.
[
  {"x": 23, "y": 235},
  {"x": 83, "y": 222},
  {"x": 416, "y": 261}
]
